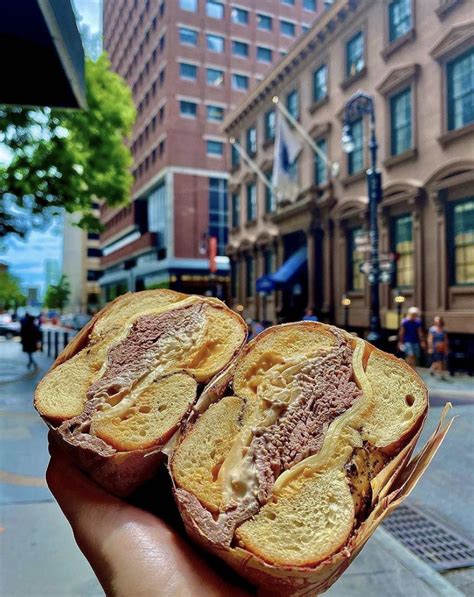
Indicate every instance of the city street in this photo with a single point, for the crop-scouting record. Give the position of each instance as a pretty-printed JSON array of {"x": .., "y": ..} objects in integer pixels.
[{"x": 39, "y": 556}]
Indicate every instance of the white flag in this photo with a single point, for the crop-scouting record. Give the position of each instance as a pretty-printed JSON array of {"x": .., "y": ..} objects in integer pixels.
[{"x": 287, "y": 148}]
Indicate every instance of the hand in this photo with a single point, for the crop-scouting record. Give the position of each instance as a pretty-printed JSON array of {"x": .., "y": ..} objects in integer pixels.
[{"x": 131, "y": 551}]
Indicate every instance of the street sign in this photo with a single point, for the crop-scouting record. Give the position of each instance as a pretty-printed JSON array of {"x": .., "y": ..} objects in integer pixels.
[
  {"x": 365, "y": 268},
  {"x": 386, "y": 277}
]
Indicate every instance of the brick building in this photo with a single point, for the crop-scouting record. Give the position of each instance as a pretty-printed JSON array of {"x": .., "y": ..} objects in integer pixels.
[
  {"x": 188, "y": 62},
  {"x": 416, "y": 58}
]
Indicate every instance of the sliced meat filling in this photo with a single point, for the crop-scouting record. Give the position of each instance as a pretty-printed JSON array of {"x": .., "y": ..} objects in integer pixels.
[
  {"x": 153, "y": 338},
  {"x": 325, "y": 391}
]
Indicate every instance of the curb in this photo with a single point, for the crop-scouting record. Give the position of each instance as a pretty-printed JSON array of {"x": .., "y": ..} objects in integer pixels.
[{"x": 416, "y": 566}]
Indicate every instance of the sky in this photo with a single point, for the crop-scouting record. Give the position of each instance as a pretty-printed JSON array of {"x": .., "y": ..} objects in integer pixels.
[{"x": 26, "y": 259}]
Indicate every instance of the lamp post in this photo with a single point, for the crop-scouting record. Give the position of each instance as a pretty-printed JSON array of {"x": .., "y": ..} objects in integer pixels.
[
  {"x": 399, "y": 300},
  {"x": 346, "y": 303},
  {"x": 357, "y": 106}
]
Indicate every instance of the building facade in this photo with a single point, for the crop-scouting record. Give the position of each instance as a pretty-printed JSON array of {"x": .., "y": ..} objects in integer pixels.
[
  {"x": 416, "y": 58},
  {"x": 188, "y": 63}
]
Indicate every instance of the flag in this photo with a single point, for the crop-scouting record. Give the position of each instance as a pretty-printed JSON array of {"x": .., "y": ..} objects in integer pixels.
[
  {"x": 212, "y": 253},
  {"x": 287, "y": 148}
]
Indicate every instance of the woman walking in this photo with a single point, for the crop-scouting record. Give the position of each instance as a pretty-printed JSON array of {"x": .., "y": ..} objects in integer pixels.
[
  {"x": 438, "y": 347},
  {"x": 30, "y": 338}
]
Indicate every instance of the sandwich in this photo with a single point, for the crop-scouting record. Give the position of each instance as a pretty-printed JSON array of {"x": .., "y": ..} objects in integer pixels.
[
  {"x": 286, "y": 472},
  {"x": 119, "y": 391}
]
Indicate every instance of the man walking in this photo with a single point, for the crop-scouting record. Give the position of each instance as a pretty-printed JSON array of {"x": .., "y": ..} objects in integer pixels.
[{"x": 411, "y": 338}]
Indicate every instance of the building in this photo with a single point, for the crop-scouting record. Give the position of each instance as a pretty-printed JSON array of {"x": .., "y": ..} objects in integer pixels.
[
  {"x": 81, "y": 265},
  {"x": 188, "y": 62},
  {"x": 52, "y": 272},
  {"x": 416, "y": 58}
]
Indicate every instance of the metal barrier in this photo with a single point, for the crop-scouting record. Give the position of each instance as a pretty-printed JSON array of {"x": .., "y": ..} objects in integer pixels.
[{"x": 54, "y": 341}]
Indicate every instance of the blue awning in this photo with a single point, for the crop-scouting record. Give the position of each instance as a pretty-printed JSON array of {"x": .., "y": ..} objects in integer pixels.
[{"x": 290, "y": 268}]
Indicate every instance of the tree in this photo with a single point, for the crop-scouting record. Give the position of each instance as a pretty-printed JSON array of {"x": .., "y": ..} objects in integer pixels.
[
  {"x": 11, "y": 295},
  {"x": 57, "y": 295},
  {"x": 67, "y": 159}
]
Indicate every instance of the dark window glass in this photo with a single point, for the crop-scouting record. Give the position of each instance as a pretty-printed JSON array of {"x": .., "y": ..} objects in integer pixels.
[
  {"x": 355, "y": 54},
  {"x": 188, "y": 37},
  {"x": 215, "y": 10},
  {"x": 215, "y": 43},
  {"x": 93, "y": 235},
  {"x": 250, "y": 282},
  {"x": 355, "y": 160},
  {"x": 215, "y": 148},
  {"x": 355, "y": 259},
  {"x": 214, "y": 77},
  {"x": 292, "y": 104},
  {"x": 240, "y": 82},
  {"x": 218, "y": 212},
  {"x": 460, "y": 74},
  {"x": 215, "y": 113},
  {"x": 251, "y": 140},
  {"x": 399, "y": 18},
  {"x": 251, "y": 202},
  {"x": 94, "y": 252},
  {"x": 264, "y": 22},
  {"x": 320, "y": 167},
  {"x": 403, "y": 246},
  {"x": 188, "y": 109},
  {"x": 240, "y": 16},
  {"x": 287, "y": 28},
  {"x": 461, "y": 237},
  {"x": 234, "y": 157},
  {"x": 269, "y": 125},
  {"x": 309, "y": 5},
  {"x": 320, "y": 83},
  {"x": 235, "y": 210},
  {"x": 268, "y": 267},
  {"x": 401, "y": 122},
  {"x": 264, "y": 54},
  {"x": 240, "y": 48},
  {"x": 188, "y": 71}
]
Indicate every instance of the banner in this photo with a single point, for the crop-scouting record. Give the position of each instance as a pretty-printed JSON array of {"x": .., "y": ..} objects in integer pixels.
[{"x": 287, "y": 148}]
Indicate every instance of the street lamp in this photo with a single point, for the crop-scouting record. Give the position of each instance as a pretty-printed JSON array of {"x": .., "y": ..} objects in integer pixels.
[
  {"x": 346, "y": 303},
  {"x": 399, "y": 300},
  {"x": 357, "y": 106}
]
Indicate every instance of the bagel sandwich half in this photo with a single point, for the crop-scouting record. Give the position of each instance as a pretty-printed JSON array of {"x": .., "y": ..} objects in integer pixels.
[
  {"x": 287, "y": 473},
  {"x": 119, "y": 391}
]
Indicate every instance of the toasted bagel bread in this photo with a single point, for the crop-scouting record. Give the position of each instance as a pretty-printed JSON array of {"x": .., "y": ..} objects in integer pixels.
[
  {"x": 122, "y": 387},
  {"x": 278, "y": 474}
]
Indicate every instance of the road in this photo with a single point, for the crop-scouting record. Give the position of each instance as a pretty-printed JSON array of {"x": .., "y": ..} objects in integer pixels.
[{"x": 38, "y": 553}]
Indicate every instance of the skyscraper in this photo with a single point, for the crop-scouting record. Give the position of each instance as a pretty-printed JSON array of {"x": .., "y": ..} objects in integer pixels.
[{"x": 188, "y": 63}]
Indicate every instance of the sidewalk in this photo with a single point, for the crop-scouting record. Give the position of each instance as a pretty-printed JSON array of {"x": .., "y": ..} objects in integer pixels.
[
  {"x": 460, "y": 386},
  {"x": 38, "y": 553}
]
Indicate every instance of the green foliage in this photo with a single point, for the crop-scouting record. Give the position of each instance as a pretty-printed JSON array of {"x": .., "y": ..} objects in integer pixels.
[
  {"x": 67, "y": 159},
  {"x": 58, "y": 295},
  {"x": 11, "y": 295}
]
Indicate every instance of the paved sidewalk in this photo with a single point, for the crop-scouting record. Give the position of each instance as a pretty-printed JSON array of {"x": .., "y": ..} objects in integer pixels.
[{"x": 37, "y": 549}]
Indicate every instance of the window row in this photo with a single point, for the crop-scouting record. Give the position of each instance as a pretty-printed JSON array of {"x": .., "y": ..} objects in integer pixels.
[
  {"x": 150, "y": 159},
  {"x": 142, "y": 77},
  {"x": 159, "y": 82},
  {"x": 150, "y": 128},
  {"x": 189, "y": 109},
  {"x": 268, "y": 266}
]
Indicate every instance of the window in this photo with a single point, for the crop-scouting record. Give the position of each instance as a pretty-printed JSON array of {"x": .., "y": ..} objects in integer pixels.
[
  {"x": 240, "y": 16},
  {"x": 250, "y": 276},
  {"x": 157, "y": 213},
  {"x": 402, "y": 230},
  {"x": 94, "y": 252},
  {"x": 462, "y": 242},
  {"x": 251, "y": 202},
  {"x": 460, "y": 79},
  {"x": 240, "y": 82},
  {"x": 251, "y": 140},
  {"x": 270, "y": 199},
  {"x": 240, "y": 48},
  {"x": 218, "y": 212},
  {"x": 264, "y": 22},
  {"x": 355, "y": 160},
  {"x": 215, "y": 10},
  {"x": 399, "y": 18},
  {"x": 215, "y": 148},
  {"x": 161, "y": 77},
  {"x": 269, "y": 125},
  {"x": 264, "y": 54},
  {"x": 320, "y": 167},
  {"x": 401, "y": 122},
  {"x": 234, "y": 157},
  {"x": 320, "y": 83},
  {"x": 355, "y": 260},
  {"x": 215, "y": 43},
  {"x": 309, "y": 5},
  {"x": 268, "y": 266},
  {"x": 288, "y": 2},
  {"x": 188, "y": 71},
  {"x": 235, "y": 210},
  {"x": 214, "y": 77},
  {"x": 189, "y": 5},
  {"x": 215, "y": 113},
  {"x": 188, "y": 37},
  {"x": 355, "y": 54},
  {"x": 287, "y": 28},
  {"x": 292, "y": 104},
  {"x": 188, "y": 109},
  {"x": 162, "y": 43}
]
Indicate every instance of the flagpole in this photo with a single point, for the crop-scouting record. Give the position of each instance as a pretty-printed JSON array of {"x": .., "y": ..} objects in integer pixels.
[
  {"x": 332, "y": 166},
  {"x": 245, "y": 156}
]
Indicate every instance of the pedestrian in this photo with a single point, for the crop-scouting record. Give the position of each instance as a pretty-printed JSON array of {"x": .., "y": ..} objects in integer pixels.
[
  {"x": 438, "y": 347},
  {"x": 410, "y": 337},
  {"x": 309, "y": 315},
  {"x": 30, "y": 338}
]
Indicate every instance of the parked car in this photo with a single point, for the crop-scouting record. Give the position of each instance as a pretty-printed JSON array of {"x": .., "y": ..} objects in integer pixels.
[{"x": 8, "y": 327}]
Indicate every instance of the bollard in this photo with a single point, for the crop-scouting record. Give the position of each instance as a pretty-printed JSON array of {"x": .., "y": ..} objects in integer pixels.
[
  {"x": 65, "y": 339},
  {"x": 49, "y": 343},
  {"x": 56, "y": 344}
]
